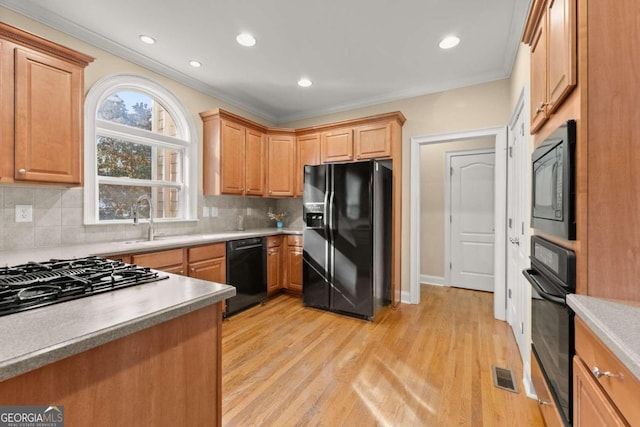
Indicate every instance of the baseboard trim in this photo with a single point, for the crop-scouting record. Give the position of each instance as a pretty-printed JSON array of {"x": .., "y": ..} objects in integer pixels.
[
  {"x": 405, "y": 297},
  {"x": 432, "y": 280}
]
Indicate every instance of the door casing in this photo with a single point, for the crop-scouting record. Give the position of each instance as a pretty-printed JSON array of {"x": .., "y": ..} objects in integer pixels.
[{"x": 500, "y": 133}]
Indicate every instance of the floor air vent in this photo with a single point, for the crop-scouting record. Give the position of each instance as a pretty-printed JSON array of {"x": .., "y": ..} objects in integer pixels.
[{"x": 503, "y": 378}]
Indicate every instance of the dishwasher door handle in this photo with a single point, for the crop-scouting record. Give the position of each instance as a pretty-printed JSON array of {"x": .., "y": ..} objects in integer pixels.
[{"x": 241, "y": 248}]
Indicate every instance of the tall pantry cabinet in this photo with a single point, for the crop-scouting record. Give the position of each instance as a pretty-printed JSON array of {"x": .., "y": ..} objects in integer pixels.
[{"x": 41, "y": 99}]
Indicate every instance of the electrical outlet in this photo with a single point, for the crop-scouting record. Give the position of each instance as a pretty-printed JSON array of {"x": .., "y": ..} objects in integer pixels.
[
  {"x": 249, "y": 211},
  {"x": 205, "y": 211},
  {"x": 24, "y": 213},
  {"x": 214, "y": 211}
]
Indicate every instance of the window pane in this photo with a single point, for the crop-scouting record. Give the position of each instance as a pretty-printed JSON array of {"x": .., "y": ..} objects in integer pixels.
[
  {"x": 168, "y": 202},
  {"x": 115, "y": 201},
  {"x": 119, "y": 158},
  {"x": 138, "y": 110},
  {"x": 168, "y": 165}
]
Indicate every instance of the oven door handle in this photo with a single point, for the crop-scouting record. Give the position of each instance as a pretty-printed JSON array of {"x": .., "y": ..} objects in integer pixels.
[{"x": 538, "y": 287}]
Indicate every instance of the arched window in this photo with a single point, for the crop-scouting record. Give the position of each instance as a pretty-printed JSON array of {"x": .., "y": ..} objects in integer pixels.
[{"x": 138, "y": 141}]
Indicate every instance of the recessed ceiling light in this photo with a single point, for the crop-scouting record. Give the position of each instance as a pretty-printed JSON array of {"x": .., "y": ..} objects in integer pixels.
[
  {"x": 304, "y": 82},
  {"x": 246, "y": 39},
  {"x": 147, "y": 39},
  {"x": 195, "y": 64},
  {"x": 449, "y": 42}
]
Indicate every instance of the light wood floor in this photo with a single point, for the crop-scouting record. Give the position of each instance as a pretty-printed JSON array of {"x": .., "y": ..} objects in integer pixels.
[{"x": 422, "y": 365}]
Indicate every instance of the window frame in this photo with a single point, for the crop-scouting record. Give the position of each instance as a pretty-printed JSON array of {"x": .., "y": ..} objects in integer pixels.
[{"x": 187, "y": 144}]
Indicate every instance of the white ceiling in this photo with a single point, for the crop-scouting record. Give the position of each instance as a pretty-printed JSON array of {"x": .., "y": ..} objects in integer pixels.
[{"x": 357, "y": 52}]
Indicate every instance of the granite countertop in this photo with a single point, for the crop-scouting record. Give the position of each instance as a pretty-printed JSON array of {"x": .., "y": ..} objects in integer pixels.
[
  {"x": 15, "y": 257},
  {"x": 616, "y": 324},
  {"x": 38, "y": 337}
]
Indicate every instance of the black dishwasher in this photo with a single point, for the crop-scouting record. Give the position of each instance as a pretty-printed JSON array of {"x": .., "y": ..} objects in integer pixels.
[{"x": 247, "y": 271}]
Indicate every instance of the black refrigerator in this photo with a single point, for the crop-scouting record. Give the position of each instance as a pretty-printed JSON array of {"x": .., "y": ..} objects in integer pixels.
[{"x": 347, "y": 237}]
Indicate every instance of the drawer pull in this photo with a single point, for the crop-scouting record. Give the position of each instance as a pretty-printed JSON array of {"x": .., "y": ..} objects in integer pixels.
[
  {"x": 598, "y": 373},
  {"x": 542, "y": 402}
]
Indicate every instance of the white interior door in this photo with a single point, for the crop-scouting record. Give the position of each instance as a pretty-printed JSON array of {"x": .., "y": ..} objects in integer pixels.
[
  {"x": 472, "y": 221},
  {"x": 517, "y": 252}
]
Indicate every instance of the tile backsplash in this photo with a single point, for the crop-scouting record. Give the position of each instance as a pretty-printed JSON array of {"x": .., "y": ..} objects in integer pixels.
[{"x": 58, "y": 218}]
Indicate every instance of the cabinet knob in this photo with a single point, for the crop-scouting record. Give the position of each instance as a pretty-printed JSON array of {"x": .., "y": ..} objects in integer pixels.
[
  {"x": 193, "y": 269},
  {"x": 541, "y": 107},
  {"x": 22, "y": 171}
]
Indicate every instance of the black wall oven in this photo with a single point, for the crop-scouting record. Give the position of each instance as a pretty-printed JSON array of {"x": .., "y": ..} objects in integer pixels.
[
  {"x": 552, "y": 278},
  {"x": 553, "y": 183}
]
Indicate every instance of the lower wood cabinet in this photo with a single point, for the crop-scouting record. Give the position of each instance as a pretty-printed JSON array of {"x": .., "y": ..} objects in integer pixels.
[
  {"x": 548, "y": 409},
  {"x": 274, "y": 265},
  {"x": 171, "y": 261},
  {"x": 208, "y": 262},
  {"x": 604, "y": 389},
  {"x": 294, "y": 264},
  {"x": 591, "y": 405}
]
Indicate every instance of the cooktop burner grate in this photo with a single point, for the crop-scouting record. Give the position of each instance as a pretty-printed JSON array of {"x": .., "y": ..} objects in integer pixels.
[{"x": 33, "y": 285}]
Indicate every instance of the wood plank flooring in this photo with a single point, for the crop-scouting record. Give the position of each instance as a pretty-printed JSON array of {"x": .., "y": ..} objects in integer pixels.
[{"x": 421, "y": 365}]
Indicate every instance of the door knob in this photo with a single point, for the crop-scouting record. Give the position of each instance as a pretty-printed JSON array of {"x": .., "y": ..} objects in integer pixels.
[{"x": 515, "y": 240}]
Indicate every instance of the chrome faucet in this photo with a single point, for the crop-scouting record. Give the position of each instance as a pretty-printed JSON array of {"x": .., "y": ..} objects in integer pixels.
[{"x": 134, "y": 210}]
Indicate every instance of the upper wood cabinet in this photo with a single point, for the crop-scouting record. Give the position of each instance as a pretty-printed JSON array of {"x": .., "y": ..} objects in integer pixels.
[
  {"x": 372, "y": 141},
  {"x": 307, "y": 153},
  {"x": 281, "y": 165},
  {"x": 551, "y": 32},
  {"x": 255, "y": 147},
  {"x": 337, "y": 145},
  {"x": 234, "y": 155},
  {"x": 41, "y": 100}
]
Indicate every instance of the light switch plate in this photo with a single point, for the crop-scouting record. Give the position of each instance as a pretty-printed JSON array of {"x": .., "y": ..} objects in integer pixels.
[
  {"x": 214, "y": 211},
  {"x": 205, "y": 211},
  {"x": 24, "y": 213},
  {"x": 249, "y": 211}
]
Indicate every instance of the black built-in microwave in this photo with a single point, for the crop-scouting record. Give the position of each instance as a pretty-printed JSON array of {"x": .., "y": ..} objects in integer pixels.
[{"x": 553, "y": 198}]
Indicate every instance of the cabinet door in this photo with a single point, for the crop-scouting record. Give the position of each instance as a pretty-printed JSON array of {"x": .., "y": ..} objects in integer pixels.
[
  {"x": 6, "y": 113},
  {"x": 337, "y": 145},
  {"x": 591, "y": 408},
  {"x": 280, "y": 176},
  {"x": 539, "y": 75},
  {"x": 295, "y": 269},
  {"x": 307, "y": 153},
  {"x": 48, "y": 96},
  {"x": 561, "y": 51},
  {"x": 274, "y": 275},
  {"x": 547, "y": 405},
  {"x": 255, "y": 147},
  {"x": 232, "y": 157},
  {"x": 213, "y": 270},
  {"x": 373, "y": 141}
]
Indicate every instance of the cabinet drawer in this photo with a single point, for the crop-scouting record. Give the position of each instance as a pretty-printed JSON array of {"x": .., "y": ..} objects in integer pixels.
[
  {"x": 274, "y": 241},
  {"x": 294, "y": 240},
  {"x": 621, "y": 385},
  {"x": 201, "y": 253},
  {"x": 159, "y": 260},
  {"x": 547, "y": 405}
]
